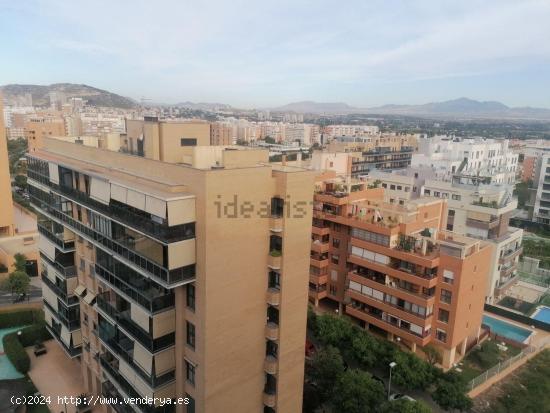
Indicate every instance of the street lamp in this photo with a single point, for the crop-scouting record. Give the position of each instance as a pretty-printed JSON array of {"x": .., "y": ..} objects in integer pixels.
[{"x": 392, "y": 365}]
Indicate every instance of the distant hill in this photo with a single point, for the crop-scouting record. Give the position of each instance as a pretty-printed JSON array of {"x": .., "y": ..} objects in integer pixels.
[
  {"x": 464, "y": 108},
  {"x": 93, "y": 96},
  {"x": 204, "y": 106},
  {"x": 308, "y": 106}
]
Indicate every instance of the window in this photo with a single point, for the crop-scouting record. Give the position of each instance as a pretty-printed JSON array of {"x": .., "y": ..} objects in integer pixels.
[
  {"x": 336, "y": 243},
  {"x": 335, "y": 259},
  {"x": 399, "y": 187},
  {"x": 401, "y": 202},
  {"x": 443, "y": 316},
  {"x": 384, "y": 185},
  {"x": 190, "y": 296},
  {"x": 446, "y": 296},
  {"x": 451, "y": 212},
  {"x": 392, "y": 187},
  {"x": 190, "y": 372},
  {"x": 277, "y": 207},
  {"x": 188, "y": 142},
  {"x": 407, "y": 188},
  {"x": 455, "y": 197},
  {"x": 437, "y": 194},
  {"x": 333, "y": 275},
  {"x": 427, "y": 192},
  {"x": 441, "y": 335},
  {"x": 392, "y": 200},
  {"x": 274, "y": 279},
  {"x": 271, "y": 348},
  {"x": 448, "y": 277},
  {"x": 190, "y": 327},
  {"x": 333, "y": 290}
]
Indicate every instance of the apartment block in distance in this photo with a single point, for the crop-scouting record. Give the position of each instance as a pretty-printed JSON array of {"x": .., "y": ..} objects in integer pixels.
[
  {"x": 395, "y": 270},
  {"x": 188, "y": 281}
]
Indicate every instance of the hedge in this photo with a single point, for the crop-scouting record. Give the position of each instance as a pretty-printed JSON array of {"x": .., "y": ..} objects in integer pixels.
[
  {"x": 20, "y": 318},
  {"x": 14, "y": 345}
]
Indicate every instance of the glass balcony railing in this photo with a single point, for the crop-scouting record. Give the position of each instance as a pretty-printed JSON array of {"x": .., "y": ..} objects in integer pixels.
[
  {"x": 141, "y": 221},
  {"x": 71, "y": 351},
  {"x": 65, "y": 269},
  {"x": 71, "y": 325},
  {"x": 59, "y": 291},
  {"x": 125, "y": 321},
  {"x": 46, "y": 230},
  {"x": 158, "y": 272}
]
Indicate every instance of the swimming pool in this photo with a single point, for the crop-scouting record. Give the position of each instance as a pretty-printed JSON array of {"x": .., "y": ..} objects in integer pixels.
[
  {"x": 7, "y": 370},
  {"x": 542, "y": 314},
  {"x": 508, "y": 330}
]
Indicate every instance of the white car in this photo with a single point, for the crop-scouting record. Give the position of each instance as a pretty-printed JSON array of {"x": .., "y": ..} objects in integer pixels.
[{"x": 398, "y": 396}]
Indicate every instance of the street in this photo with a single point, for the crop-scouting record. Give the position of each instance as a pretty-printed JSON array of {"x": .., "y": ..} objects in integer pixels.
[{"x": 34, "y": 295}]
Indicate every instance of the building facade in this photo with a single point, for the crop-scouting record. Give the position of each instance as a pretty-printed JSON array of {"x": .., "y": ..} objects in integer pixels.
[
  {"x": 396, "y": 270},
  {"x": 160, "y": 299}
]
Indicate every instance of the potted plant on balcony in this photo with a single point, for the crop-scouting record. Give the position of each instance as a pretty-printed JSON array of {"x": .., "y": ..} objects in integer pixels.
[{"x": 275, "y": 253}]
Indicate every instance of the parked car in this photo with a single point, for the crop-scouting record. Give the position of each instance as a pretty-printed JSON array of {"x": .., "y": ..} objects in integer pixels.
[{"x": 399, "y": 396}]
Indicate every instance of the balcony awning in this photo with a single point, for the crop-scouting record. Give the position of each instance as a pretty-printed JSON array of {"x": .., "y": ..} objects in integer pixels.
[
  {"x": 79, "y": 290},
  {"x": 89, "y": 298}
]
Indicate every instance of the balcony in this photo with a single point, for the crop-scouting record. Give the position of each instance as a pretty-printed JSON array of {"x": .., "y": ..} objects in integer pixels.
[
  {"x": 272, "y": 331},
  {"x": 274, "y": 260},
  {"x": 270, "y": 399},
  {"x": 506, "y": 272},
  {"x": 147, "y": 267},
  {"x": 61, "y": 292},
  {"x": 135, "y": 287},
  {"x": 317, "y": 292},
  {"x": 110, "y": 391},
  {"x": 377, "y": 320},
  {"x": 124, "y": 320},
  {"x": 71, "y": 324},
  {"x": 273, "y": 296},
  {"x": 318, "y": 279},
  {"x": 487, "y": 225},
  {"x": 72, "y": 352},
  {"x": 319, "y": 262},
  {"x": 320, "y": 230},
  {"x": 48, "y": 230},
  {"x": 65, "y": 268},
  {"x": 270, "y": 365},
  {"x": 319, "y": 246},
  {"x": 276, "y": 224},
  {"x": 393, "y": 288},
  {"x": 510, "y": 254}
]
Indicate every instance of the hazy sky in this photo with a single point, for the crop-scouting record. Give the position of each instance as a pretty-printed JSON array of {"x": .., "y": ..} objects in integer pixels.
[{"x": 262, "y": 53}]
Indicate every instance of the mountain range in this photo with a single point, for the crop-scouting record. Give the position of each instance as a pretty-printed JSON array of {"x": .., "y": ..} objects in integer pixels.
[
  {"x": 462, "y": 108},
  {"x": 93, "y": 96}
]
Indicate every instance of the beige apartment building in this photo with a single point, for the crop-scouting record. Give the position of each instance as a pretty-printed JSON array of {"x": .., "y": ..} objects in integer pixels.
[
  {"x": 184, "y": 281},
  {"x": 6, "y": 201},
  {"x": 39, "y": 127},
  {"x": 221, "y": 134},
  {"x": 395, "y": 269},
  {"x": 164, "y": 140}
]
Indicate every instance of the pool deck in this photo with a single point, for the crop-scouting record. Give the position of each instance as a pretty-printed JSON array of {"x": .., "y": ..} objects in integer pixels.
[
  {"x": 535, "y": 339},
  {"x": 55, "y": 374}
]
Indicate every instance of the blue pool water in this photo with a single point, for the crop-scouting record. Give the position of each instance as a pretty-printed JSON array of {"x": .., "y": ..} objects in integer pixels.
[
  {"x": 7, "y": 371},
  {"x": 542, "y": 314},
  {"x": 504, "y": 329}
]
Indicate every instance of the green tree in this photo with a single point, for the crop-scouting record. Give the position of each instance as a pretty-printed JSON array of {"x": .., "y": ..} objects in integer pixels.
[
  {"x": 356, "y": 392},
  {"x": 20, "y": 262},
  {"x": 334, "y": 330},
  {"x": 405, "y": 406},
  {"x": 18, "y": 282},
  {"x": 411, "y": 372},
  {"x": 326, "y": 367},
  {"x": 451, "y": 393},
  {"x": 21, "y": 181},
  {"x": 364, "y": 349},
  {"x": 432, "y": 355},
  {"x": 269, "y": 139}
]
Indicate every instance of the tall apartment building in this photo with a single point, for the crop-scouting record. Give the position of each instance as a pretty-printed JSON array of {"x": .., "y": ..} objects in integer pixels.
[
  {"x": 6, "y": 205},
  {"x": 541, "y": 190},
  {"x": 334, "y": 131},
  {"x": 486, "y": 160},
  {"x": 395, "y": 269},
  {"x": 183, "y": 281},
  {"x": 222, "y": 134},
  {"x": 164, "y": 140}
]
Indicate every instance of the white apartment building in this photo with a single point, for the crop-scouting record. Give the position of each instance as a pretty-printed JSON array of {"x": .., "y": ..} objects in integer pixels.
[
  {"x": 541, "y": 202},
  {"x": 332, "y": 131},
  {"x": 480, "y": 211},
  {"x": 488, "y": 160}
]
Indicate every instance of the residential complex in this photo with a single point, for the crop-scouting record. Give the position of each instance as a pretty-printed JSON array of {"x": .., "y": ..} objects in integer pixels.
[
  {"x": 540, "y": 197},
  {"x": 173, "y": 281},
  {"x": 486, "y": 160},
  {"x": 395, "y": 269}
]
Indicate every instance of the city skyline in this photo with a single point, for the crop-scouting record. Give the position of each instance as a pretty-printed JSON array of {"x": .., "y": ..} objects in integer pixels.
[{"x": 258, "y": 55}]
